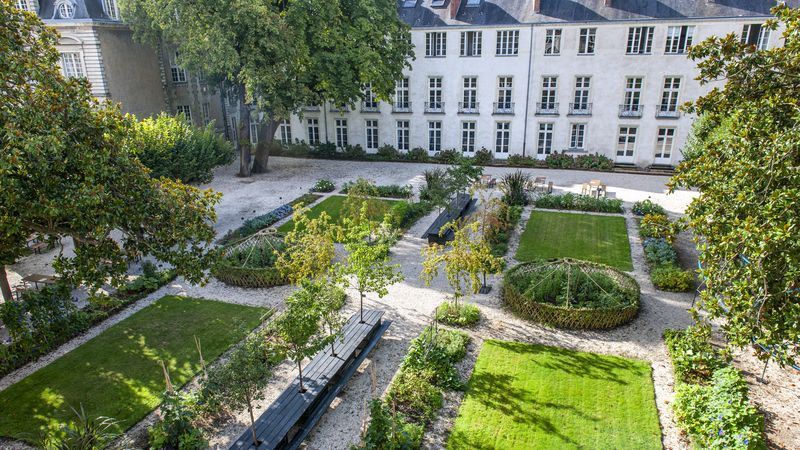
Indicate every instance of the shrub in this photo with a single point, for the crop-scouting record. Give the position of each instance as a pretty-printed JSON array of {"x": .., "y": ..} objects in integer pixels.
[
  {"x": 435, "y": 351},
  {"x": 405, "y": 214},
  {"x": 719, "y": 415},
  {"x": 559, "y": 161},
  {"x": 388, "y": 153},
  {"x": 298, "y": 149},
  {"x": 513, "y": 187},
  {"x": 458, "y": 315},
  {"x": 593, "y": 162},
  {"x": 519, "y": 160},
  {"x": 693, "y": 357},
  {"x": 483, "y": 157},
  {"x": 325, "y": 150},
  {"x": 657, "y": 226},
  {"x": 644, "y": 207},
  {"x": 672, "y": 279},
  {"x": 390, "y": 431},
  {"x": 413, "y": 395},
  {"x": 449, "y": 156},
  {"x": 84, "y": 432},
  {"x": 354, "y": 152},
  {"x": 658, "y": 252},
  {"x": 323, "y": 185},
  {"x": 176, "y": 429},
  {"x": 499, "y": 222},
  {"x": 418, "y": 154},
  {"x": 571, "y": 201},
  {"x": 389, "y": 190},
  {"x": 171, "y": 147}
]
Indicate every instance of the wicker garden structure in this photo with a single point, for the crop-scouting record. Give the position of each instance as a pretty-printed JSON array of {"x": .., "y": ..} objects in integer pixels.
[
  {"x": 250, "y": 262},
  {"x": 573, "y": 294}
]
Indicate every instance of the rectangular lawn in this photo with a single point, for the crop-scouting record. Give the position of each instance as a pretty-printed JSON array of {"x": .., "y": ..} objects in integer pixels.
[
  {"x": 334, "y": 206},
  {"x": 523, "y": 396},
  {"x": 602, "y": 239},
  {"x": 117, "y": 374}
]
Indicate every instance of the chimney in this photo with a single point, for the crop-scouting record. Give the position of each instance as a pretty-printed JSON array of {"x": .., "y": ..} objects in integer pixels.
[
  {"x": 607, "y": 3},
  {"x": 537, "y": 6},
  {"x": 454, "y": 5}
]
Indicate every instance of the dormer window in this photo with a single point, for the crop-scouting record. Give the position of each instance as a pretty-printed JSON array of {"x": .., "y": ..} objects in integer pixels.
[
  {"x": 473, "y": 3},
  {"x": 111, "y": 9},
  {"x": 66, "y": 10},
  {"x": 409, "y": 3},
  {"x": 27, "y": 5}
]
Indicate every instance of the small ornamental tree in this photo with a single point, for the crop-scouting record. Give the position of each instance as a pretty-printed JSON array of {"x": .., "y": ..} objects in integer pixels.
[
  {"x": 462, "y": 175},
  {"x": 470, "y": 256},
  {"x": 366, "y": 266},
  {"x": 241, "y": 380},
  {"x": 330, "y": 300},
  {"x": 362, "y": 194},
  {"x": 309, "y": 248},
  {"x": 297, "y": 329}
]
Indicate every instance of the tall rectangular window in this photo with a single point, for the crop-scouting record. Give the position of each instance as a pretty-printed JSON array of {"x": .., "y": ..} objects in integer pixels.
[
  {"x": 640, "y": 40},
  {"x": 370, "y": 100},
  {"x": 626, "y": 142},
  {"x": 502, "y": 137},
  {"x": 633, "y": 94},
  {"x": 111, "y": 9},
  {"x": 471, "y": 43},
  {"x": 253, "y": 132},
  {"x": 436, "y": 44},
  {"x": 234, "y": 130},
  {"x": 178, "y": 73},
  {"x": 549, "y": 93},
  {"x": 206, "y": 113},
  {"x": 185, "y": 110},
  {"x": 72, "y": 65},
  {"x": 552, "y": 41},
  {"x": 435, "y": 135},
  {"x": 435, "y": 93},
  {"x": 313, "y": 131},
  {"x": 468, "y": 136},
  {"x": 371, "y": 134},
  {"x": 577, "y": 136},
  {"x": 403, "y": 130},
  {"x": 755, "y": 34},
  {"x": 586, "y": 40},
  {"x": 470, "y": 93},
  {"x": 27, "y": 5},
  {"x": 679, "y": 39},
  {"x": 544, "y": 141},
  {"x": 664, "y": 142},
  {"x": 285, "y": 130},
  {"x": 401, "y": 95},
  {"x": 504, "y": 93},
  {"x": 507, "y": 43},
  {"x": 669, "y": 97},
  {"x": 581, "y": 97},
  {"x": 341, "y": 133}
]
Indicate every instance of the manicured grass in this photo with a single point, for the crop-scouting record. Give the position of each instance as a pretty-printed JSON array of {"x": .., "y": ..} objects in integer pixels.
[
  {"x": 523, "y": 396},
  {"x": 118, "y": 374},
  {"x": 602, "y": 239},
  {"x": 334, "y": 206}
]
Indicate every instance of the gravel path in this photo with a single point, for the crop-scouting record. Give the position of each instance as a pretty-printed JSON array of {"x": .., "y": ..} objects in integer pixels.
[{"x": 410, "y": 304}]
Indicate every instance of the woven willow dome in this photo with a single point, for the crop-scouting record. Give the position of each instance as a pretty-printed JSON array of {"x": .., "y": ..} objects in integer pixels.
[
  {"x": 250, "y": 262},
  {"x": 568, "y": 293}
]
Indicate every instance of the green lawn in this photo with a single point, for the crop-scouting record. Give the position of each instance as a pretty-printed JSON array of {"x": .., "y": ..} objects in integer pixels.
[
  {"x": 524, "y": 396},
  {"x": 117, "y": 374},
  {"x": 334, "y": 206},
  {"x": 602, "y": 239}
]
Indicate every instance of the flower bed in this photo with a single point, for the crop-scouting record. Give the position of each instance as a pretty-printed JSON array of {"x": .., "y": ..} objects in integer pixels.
[
  {"x": 251, "y": 263},
  {"x": 658, "y": 233},
  {"x": 258, "y": 223},
  {"x": 576, "y": 202},
  {"x": 572, "y": 294}
]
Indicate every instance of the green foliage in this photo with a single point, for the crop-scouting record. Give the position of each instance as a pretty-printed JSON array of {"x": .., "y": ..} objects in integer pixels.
[
  {"x": 390, "y": 191},
  {"x": 657, "y": 226},
  {"x": 672, "y": 279},
  {"x": 405, "y": 214},
  {"x": 297, "y": 329},
  {"x": 693, "y": 356},
  {"x": 462, "y": 174},
  {"x": 176, "y": 427},
  {"x": 483, "y": 157},
  {"x": 436, "y": 189},
  {"x": 498, "y": 220},
  {"x": 172, "y": 147},
  {"x": 418, "y": 154},
  {"x": 252, "y": 262},
  {"x": 435, "y": 352},
  {"x": 659, "y": 253},
  {"x": 570, "y": 201},
  {"x": 514, "y": 187},
  {"x": 559, "y": 161},
  {"x": 448, "y": 156},
  {"x": 354, "y": 152},
  {"x": 645, "y": 207},
  {"x": 389, "y": 430},
  {"x": 387, "y": 152},
  {"x": 593, "y": 162},
  {"x": 258, "y": 223},
  {"x": 458, "y": 315},
  {"x": 83, "y": 433},
  {"x": 412, "y": 395},
  {"x": 323, "y": 185},
  {"x": 519, "y": 160}
]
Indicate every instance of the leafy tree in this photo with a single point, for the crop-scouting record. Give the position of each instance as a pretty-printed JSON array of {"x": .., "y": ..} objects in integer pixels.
[
  {"x": 366, "y": 266},
  {"x": 309, "y": 248},
  {"x": 281, "y": 55},
  {"x": 470, "y": 256},
  {"x": 462, "y": 175},
  {"x": 362, "y": 192},
  {"x": 241, "y": 380},
  {"x": 172, "y": 147},
  {"x": 743, "y": 157},
  {"x": 298, "y": 328},
  {"x": 331, "y": 300},
  {"x": 65, "y": 172}
]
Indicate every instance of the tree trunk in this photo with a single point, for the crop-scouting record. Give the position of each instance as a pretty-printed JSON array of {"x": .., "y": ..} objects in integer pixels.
[
  {"x": 361, "y": 305},
  {"x": 333, "y": 340},
  {"x": 266, "y": 135},
  {"x": 300, "y": 369},
  {"x": 243, "y": 136},
  {"x": 5, "y": 287},
  {"x": 252, "y": 421}
]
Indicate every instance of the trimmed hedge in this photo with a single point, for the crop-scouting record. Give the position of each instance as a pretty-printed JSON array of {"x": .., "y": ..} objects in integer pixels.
[
  {"x": 616, "y": 303},
  {"x": 258, "y": 223},
  {"x": 388, "y": 191},
  {"x": 576, "y": 202}
]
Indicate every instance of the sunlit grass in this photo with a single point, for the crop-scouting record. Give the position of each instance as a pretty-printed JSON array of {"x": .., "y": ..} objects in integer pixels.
[
  {"x": 118, "y": 374},
  {"x": 334, "y": 207}
]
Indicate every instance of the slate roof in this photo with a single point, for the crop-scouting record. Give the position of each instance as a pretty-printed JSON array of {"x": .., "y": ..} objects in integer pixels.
[
  {"x": 85, "y": 10},
  {"x": 513, "y": 12}
]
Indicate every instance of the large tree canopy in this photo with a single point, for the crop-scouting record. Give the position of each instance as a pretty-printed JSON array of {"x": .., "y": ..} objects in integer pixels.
[
  {"x": 744, "y": 157},
  {"x": 284, "y": 54},
  {"x": 65, "y": 171}
]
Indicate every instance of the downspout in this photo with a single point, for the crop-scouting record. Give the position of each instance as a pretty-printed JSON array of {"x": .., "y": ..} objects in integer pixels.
[
  {"x": 325, "y": 120},
  {"x": 527, "y": 94}
]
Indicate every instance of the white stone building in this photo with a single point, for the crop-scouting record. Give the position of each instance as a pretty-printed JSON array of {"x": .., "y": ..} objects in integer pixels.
[{"x": 532, "y": 77}]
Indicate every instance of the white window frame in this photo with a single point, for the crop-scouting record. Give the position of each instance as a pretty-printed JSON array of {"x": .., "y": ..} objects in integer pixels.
[
  {"x": 253, "y": 133},
  {"x": 549, "y": 92},
  {"x": 583, "y": 90},
  {"x": 65, "y": 9},
  {"x": 72, "y": 65},
  {"x": 436, "y": 44},
  {"x": 507, "y": 43},
  {"x": 178, "y": 73},
  {"x": 435, "y": 93},
  {"x": 206, "y": 112},
  {"x": 505, "y": 92},
  {"x": 27, "y": 5},
  {"x": 469, "y": 93},
  {"x": 312, "y": 128},
  {"x": 761, "y": 41},
  {"x": 435, "y": 135},
  {"x": 371, "y": 134},
  {"x": 370, "y": 100},
  {"x": 640, "y": 40},
  {"x": 341, "y": 133},
  {"x": 285, "y": 132},
  {"x": 552, "y": 41},
  {"x": 403, "y": 134},
  {"x": 502, "y": 136},
  {"x": 471, "y": 43},
  {"x": 679, "y": 39},
  {"x": 402, "y": 94},
  {"x": 670, "y": 95},
  {"x": 186, "y": 110},
  {"x": 633, "y": 93},
  {"x": 544, "y": 138},
  {"x": 626, "y": 141},
  {"x": 587, "y": 38},
  {"x": 577, "y": 136},
  {"x": 665, "y": 142},
  {"x": 468, "y": 131},
  {"x": 111, "y": 9}
]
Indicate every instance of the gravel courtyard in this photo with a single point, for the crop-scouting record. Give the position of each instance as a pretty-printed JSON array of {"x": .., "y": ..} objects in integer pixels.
[{"x": 410, "y": 304}]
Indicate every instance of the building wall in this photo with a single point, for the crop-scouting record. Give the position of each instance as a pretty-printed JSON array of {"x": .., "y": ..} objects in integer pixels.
[{"x": 83, "y": 38}]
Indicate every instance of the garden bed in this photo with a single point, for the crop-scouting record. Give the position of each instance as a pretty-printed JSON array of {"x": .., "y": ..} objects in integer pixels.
[
  {"x": 258, "y": 223},
  {"x": 658, "y": 234},
  {"x": 571, "y": 294},
  {"x": 251, "y": 263},
  {"x": 334, "y": 206}
]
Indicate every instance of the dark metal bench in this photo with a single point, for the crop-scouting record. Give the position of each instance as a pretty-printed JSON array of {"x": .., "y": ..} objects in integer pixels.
[
  {"x": 291, "y": 417},
  {"x": 458, "y": 207}
]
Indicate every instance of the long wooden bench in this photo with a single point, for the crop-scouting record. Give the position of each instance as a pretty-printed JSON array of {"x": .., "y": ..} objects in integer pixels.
[
  {"x": 293, "y": 414},
  {"x": 458, "y": 207}
]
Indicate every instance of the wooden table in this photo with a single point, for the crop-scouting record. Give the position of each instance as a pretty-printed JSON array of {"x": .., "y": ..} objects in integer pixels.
[{"x": 37, "y": 278}]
